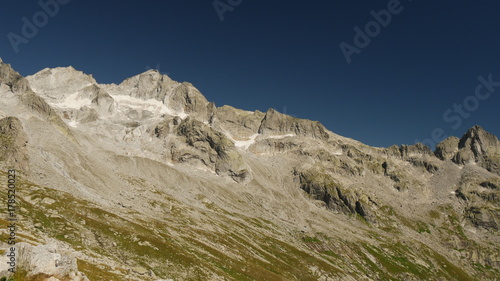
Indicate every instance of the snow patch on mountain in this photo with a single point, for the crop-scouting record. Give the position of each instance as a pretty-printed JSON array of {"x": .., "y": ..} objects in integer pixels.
[
  {"x": 154, "y": 106},
  {"x": 246, "y": 143},
  {"x": 57, "y": 83},
  {"x": 281, "y": 136},
  {"x": 73, "y": 123},
  {"x": 73, "y": 101}
]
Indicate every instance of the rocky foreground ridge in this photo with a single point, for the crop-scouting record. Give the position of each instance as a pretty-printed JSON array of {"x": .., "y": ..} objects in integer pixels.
[{"x": 147, "y": 180}]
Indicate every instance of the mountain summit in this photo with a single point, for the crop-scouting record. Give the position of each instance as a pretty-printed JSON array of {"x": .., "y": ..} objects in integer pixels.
[{"x": 148, "y": 180}]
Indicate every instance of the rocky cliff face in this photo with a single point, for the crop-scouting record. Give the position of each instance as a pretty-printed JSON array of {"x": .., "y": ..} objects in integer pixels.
[
  {"x": 13, "y": 142},
  {"x": 476, "y": 146},
  {"x": 281, "y": 124},
  {"x": 148, "y": 180},
  {"x": 447, "y": 149},
  {"x": 211, "y": 147},
  {"x": 7, "y": 75},
  {"x": 479, "y": 146}
]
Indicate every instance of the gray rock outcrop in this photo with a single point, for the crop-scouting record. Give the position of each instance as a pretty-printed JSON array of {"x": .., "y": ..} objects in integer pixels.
[
  {"x": 186, "y": 98},
  {"x": 201, "y": 143},
  {"x": 48, "y": 261},
  {"x": 13, "y": 140},
  {"x": 275, "y": 123},
  {"x": 479, "y": 146},
  {"x": 7, "y": 75},
  {"x": 181, "y": 97},
  {"x": 447, "y": 149},
  {"x": 239, "y": 123},
  {"x": 323, "y": 187},
  {"x": 101, "y": 101}
]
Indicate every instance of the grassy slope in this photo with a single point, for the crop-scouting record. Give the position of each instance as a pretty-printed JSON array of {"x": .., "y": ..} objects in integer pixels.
[{"x": 238, "y": 248}]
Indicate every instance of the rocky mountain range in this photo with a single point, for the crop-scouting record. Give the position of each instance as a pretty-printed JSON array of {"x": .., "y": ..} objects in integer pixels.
[{"x": 148, "y": 180}]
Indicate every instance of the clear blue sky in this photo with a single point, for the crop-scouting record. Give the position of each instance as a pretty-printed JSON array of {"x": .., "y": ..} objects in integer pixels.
[{"x": 286, "y": 55}]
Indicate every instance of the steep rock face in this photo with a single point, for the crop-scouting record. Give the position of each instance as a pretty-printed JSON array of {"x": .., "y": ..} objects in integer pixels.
[
  {"x": 186, "y": 98},
  {"x": 83, "y": 115},
  {"x": 148, "y": 85},
  {"x": 73, "y": 94},
  {"x": 71, "y": 90},
  {"x": 239, "y": 123},
  {"x": 103, "y": 103},
  {"x": 7, "y": 75},
  {"x": 447, "y": 149},
  {"x": 13, "y": 140},
  {"x": 481, "y": 193},
  {"x": 21, "y": 88},
  {"x": 419, "y": 155},
  {"x": 321, "y": 186},
  {"x": 275, "y": 123},
  {"x": 219, "y": 149},
  {"x": 38, "y": 105},
  {"x": 55, "y": 84},
  {"x": 418, "y": 149},
  {"x": 406, "y": 152},
  {"x": 205, "y": 144},
  {"x": 182, "y": 98},
  {"x": 483, "y": 217},
  {"x": 166, "y": 127},
  {"x": 479, "y": 146},
  {"x": 200, "y": 135},
  {"x": 393, "y": 151}
]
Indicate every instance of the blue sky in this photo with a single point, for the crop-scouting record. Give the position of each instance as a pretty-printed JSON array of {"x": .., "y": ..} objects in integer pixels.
[{"x": 423, "y": 64}]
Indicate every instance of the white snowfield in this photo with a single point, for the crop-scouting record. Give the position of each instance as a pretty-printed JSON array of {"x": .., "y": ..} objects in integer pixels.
[
  {"x": 136, "y": 99},
  {"x": 73, "y": 123},
  {"x": 246, "y": 143},
  {"x": 156, "y": 107},
  {"x": 281, "y": 136},
  {"x": 73, "y": 101},
  {"x": 122, "y": 103},
  {"x": 65, "y": 88},
  {"x": 338, "y": 152}
]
